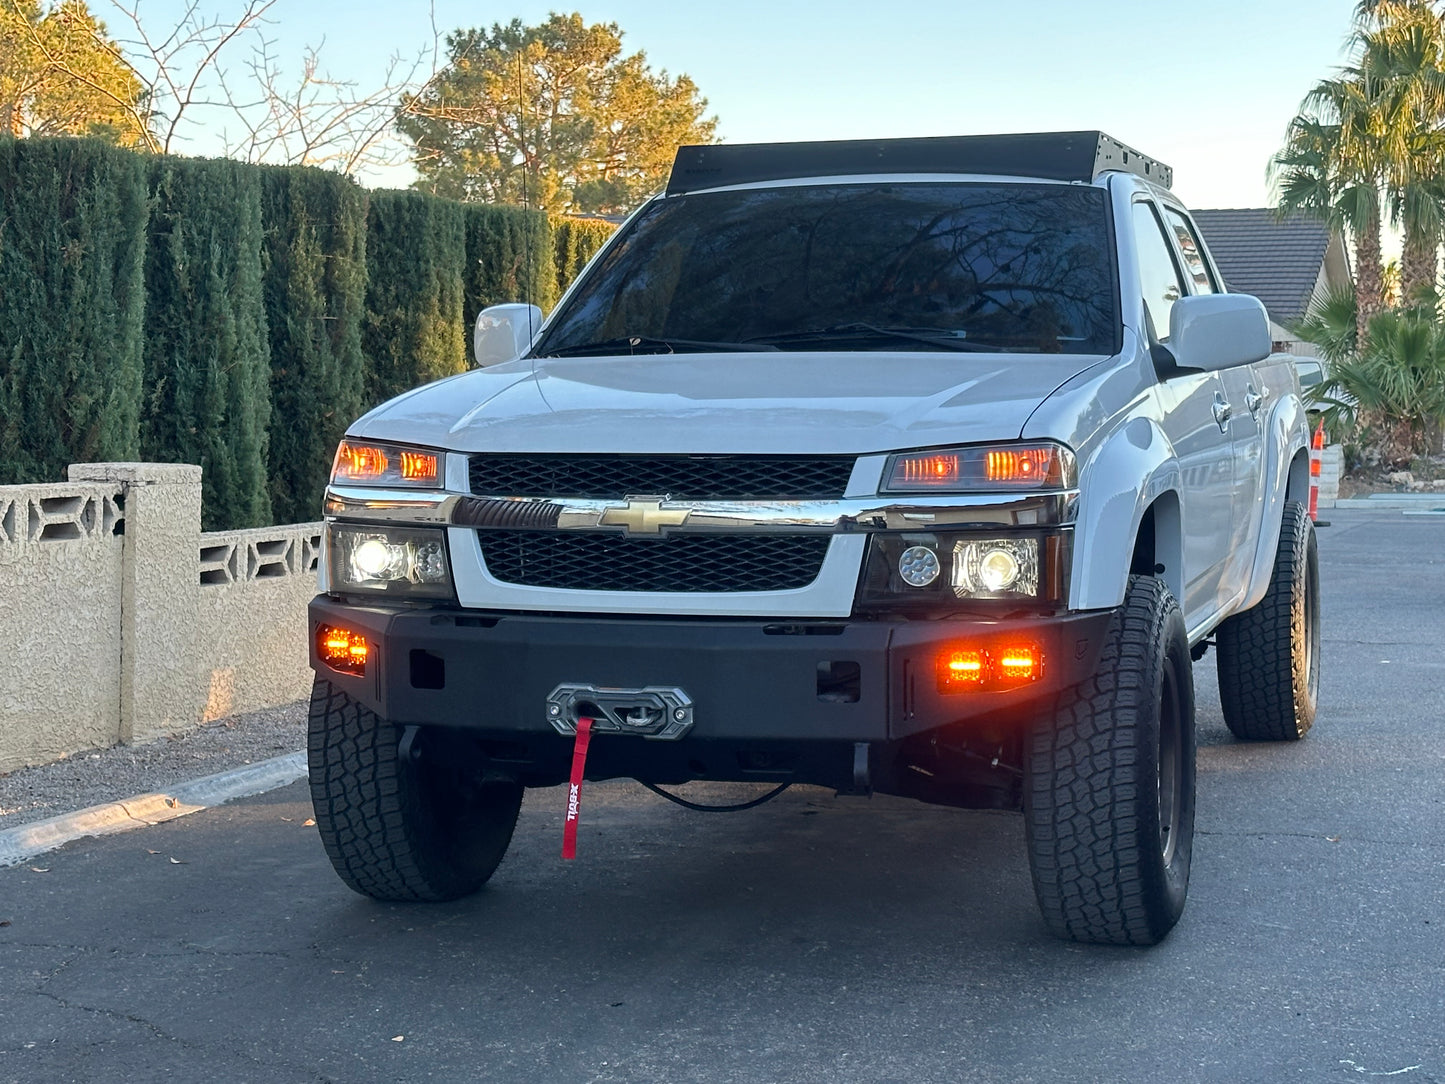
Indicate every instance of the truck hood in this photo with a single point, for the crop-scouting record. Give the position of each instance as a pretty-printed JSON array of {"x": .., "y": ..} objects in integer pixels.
[{"x": 780, "y": 403}]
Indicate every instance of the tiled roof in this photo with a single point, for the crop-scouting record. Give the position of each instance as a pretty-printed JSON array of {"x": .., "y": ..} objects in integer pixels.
[{"x": 1278, "y": 262}]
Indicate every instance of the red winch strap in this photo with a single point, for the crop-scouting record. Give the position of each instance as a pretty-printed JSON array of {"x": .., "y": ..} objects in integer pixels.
[{"x": 574, "y": 789}]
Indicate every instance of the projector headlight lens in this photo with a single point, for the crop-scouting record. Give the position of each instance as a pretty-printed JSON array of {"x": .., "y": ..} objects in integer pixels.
[
  {"x": 996, "y": 568},
  {"x": 374, "y": 558}
]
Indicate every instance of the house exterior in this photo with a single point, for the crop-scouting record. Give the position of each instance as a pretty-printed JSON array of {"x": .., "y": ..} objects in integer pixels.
[{"x": 1286, "y": 264}]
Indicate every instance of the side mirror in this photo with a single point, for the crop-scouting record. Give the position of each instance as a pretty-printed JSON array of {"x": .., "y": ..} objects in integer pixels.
[
  {"x": 504, "y": 332},
  {"x": 1311, "y": 373},
  {"x": 1218, "y": 331}
]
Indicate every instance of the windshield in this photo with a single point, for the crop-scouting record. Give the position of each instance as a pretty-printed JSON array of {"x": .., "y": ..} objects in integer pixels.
[{"x": 895, "y": 266}]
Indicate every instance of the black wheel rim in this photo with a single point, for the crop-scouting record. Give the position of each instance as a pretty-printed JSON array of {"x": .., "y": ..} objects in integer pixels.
[{"x": 1171, "y": 765}]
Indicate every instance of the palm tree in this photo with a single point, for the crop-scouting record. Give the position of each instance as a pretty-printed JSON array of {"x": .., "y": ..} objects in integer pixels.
[
  {"x": 1402, "y": 48},
  {"x": 1371, "y": 141},
  {"x": 1329, "y": 324},
  {"x": 1331, "y": 168},
  {"x": 1394, "y": 391}
]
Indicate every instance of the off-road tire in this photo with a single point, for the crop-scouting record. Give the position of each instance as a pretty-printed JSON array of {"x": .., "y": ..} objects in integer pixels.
[
  {"x": 400, "y": 832},
  {"x": 1268, "y": 657},
  {"x": 1109, "y": 833}
]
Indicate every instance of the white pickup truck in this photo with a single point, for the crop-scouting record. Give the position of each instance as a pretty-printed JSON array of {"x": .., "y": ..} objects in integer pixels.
[{"x": 920, "y": 466}]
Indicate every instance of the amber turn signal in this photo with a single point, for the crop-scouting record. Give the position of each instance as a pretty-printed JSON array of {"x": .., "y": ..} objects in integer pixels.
[
  {"x": 384, "y": 464},
  {"x": 964, "y": 470},
  {"x": 341, "y": 649},
  {"x": 926, "y": 470},
  {"x": 1020, "y": 464}
]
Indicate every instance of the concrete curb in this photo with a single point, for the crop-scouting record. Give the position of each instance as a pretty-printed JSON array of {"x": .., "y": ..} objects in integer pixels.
[
  {"x": 1410, "y": 503},
  {"x": 28, "y": 840}
]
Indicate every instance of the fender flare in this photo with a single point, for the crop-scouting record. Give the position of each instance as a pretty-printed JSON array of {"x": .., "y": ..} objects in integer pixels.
[
  {"x": 1131, "y": 470},
  {"x": 1284, "y": 436}
]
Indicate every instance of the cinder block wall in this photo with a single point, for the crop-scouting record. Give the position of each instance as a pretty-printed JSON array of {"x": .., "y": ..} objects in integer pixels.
[{"x": 122, "y": 622}]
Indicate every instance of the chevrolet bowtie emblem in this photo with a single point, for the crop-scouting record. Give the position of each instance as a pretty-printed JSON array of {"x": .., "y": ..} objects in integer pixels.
[{"x": 644, "y": 515}]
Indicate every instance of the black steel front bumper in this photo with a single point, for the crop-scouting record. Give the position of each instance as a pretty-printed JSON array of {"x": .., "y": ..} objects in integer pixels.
[{"x": 750, "y": 680}]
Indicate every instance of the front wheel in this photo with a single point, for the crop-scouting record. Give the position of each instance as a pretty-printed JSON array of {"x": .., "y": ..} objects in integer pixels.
[
  {"x": 1109, "y": 793},
  {"x": 401, "y": 825}
]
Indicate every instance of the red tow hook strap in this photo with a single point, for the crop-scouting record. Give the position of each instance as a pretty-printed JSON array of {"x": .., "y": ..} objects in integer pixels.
[{"x": 574, "y": 789}]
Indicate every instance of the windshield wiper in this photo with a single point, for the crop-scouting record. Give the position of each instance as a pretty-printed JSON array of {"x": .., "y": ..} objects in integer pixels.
[
  {"x": 642, "y": 344},
  {"x": 936, "y": 337}
]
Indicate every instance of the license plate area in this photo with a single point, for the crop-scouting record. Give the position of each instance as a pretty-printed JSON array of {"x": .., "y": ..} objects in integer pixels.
[{"x": 658, "y": 712}]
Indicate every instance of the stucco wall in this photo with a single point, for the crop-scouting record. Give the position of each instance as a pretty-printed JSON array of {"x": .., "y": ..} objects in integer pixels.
[
  {"x": 60, "y": 606},
  {"x": 122, "y": 622},
  {"x": 251, "y": 630}
]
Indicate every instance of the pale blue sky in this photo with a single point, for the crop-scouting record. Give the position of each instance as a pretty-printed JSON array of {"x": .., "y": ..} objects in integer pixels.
[{"x": 1206, "y": 87}]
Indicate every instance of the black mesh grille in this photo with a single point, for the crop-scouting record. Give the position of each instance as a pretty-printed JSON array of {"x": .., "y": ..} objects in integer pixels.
[
  {"x": 612, "y": 477},
  {"x": 597, "y": 561}
]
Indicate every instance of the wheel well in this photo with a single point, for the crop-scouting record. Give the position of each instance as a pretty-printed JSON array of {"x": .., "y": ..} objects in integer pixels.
[
  {"x": 1297, "y": 486},
  {"x": 1158, "y": 546}
]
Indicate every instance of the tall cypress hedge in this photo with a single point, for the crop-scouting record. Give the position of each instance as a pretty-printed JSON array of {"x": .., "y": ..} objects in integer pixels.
[
  {"x": 207, "y": 368},
  {"x": 577, "y": 240},
  {"x": 415, "y": 256},
  {"x": 236, "y": 316},
  {"x": 314, "y": 285},
  {"x": 72, "y": 300},
  {"x": 508, "y": 258}
]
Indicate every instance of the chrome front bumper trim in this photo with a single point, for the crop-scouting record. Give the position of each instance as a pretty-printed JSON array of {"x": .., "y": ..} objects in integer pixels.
[{"x": 656, "y": 515}]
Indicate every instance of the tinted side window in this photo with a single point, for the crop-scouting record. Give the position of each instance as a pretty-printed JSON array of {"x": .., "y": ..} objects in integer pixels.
[
  {"x": 1194, "y": 265},
  {"x": 1157, "y": 273}
]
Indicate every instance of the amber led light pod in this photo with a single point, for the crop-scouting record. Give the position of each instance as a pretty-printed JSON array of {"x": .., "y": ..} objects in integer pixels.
[
  {"x": 1007, "y": 665},
  {"x": 341, "y": 649}
]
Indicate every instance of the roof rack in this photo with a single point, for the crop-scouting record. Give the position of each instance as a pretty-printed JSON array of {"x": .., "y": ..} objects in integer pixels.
[{"x": 1055, "y": 156}]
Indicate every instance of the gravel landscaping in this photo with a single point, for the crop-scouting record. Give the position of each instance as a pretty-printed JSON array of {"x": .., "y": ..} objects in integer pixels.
[{"x": 108, "y": 775}]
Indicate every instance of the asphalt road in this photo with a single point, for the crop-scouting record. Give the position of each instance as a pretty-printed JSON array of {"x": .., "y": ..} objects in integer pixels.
[{"x": 814, "y": 939}]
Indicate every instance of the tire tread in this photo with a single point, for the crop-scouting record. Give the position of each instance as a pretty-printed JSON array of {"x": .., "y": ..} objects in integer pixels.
[
  {"x": 1083, "y": 794},
  {"x": 372, "y": 821},
  {"x": 1262, "y": 692}
]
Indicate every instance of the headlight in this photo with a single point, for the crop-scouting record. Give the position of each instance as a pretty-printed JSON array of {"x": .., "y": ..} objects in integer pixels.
[
  {"x": 996, "y": 568},
  {"x": 938, "y": 571},
  {"x": 371, "y": 463},
  {"x": 1005, "y": 468},
  {"x": 397, "y": 560}
]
